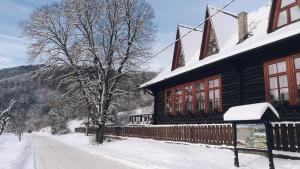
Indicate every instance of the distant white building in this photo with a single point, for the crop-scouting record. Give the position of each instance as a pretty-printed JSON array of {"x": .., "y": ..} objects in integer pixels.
[{"x": 139, "y": 116}]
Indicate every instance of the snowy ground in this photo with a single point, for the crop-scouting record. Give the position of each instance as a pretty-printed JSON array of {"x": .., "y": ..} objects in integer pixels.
[
  {"x": 15, "y": 154},
  {"x": 151, "y": 154}
]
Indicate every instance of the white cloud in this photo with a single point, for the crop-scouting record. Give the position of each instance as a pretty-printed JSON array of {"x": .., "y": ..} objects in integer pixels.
[{"x": 12, "y": 51}]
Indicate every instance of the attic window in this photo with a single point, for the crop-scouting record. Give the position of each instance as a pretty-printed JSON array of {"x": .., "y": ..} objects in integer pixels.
[
  {"x": 210, "y": 43},
  {"x": 284, "y": 12}
]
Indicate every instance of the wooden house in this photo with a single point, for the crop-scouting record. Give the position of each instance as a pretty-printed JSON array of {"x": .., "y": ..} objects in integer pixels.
[{"x": 237, "y": 59}]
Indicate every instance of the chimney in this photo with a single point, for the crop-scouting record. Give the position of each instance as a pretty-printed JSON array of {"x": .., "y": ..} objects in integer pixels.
[{"x": 243, "y": 26}]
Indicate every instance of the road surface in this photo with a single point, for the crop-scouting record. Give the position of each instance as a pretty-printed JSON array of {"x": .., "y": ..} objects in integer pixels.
[{"x": 51, "y": 154}]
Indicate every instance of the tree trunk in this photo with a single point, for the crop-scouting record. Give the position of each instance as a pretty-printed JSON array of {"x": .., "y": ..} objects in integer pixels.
[
  {"x": 1, "y": 130},
  {"x": 87, "y": 125},
  {"x": 100, "y": 134}
]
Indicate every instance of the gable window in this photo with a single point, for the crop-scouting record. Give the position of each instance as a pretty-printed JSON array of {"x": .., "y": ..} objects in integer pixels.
[
  {"x": 282, "y": 80},
  {"x": 200, "y": 96},
  {"x": 284, "y": 12},
  {"x": 210, "y": 43}
]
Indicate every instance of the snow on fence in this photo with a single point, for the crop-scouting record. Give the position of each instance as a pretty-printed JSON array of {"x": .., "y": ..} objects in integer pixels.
[
  {"x": 287, "y": 136},
  {"x": 214, "y": 134}
]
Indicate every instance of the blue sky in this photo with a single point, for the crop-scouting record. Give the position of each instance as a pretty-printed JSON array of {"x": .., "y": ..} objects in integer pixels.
[{"x": 168, "y": 14}]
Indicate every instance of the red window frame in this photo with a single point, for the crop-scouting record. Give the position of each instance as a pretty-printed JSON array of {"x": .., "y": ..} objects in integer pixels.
[
  {"x": 183, "y": 95},
  {"x": 169, "y": 101},
  {"x": 275, "y": 12},
  {"x": 291, "y": 73},
  {"x": 213, "y": 89}
]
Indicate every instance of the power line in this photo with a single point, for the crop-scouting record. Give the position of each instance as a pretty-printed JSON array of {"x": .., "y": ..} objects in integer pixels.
[{"x": 190, "y": 31}]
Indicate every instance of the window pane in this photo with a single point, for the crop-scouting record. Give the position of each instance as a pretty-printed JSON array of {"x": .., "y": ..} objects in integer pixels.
[
  {"x": 273, "y": 83},
  {"x": 217, "y": 94},
  {"x": 274, "y": 94},
  {"x": 283, "y": 82},
  {"x": 298, "y": 78},
  {"x": 199, "y": 87},
  {"x": 281, "y": 67},
  {"x": 285, "y": 3},
  {"x": 217, "y": 104},
  {"x": 295, "y": 13},
  {"x": 216, "y": 83},
  {"x": 272, "y": 69},
  {"x": 211, "y": 94},
  {"x": 284, "y": 94},
  {"x": 282, "y": 18},
  {"x": 297, "y": 63},
  {"x": 211, "y": 84}
]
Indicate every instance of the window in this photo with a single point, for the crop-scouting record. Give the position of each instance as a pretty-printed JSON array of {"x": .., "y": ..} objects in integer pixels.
[
  {"x": 188, "y": 96},
  {"x": 178, "y": 100},
  {"x": 169, "y": 107},
  {"x": 214, "y": 94},
  {"x": 297, "y": 75},
  {"x": 286, "y": 12},
  {"x": 195, "y": 97},
  {"x": 282, "y": 79},
  {"x": 200, "y": 97}
]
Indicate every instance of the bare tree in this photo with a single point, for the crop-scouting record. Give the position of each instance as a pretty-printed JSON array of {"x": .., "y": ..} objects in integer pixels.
[
  {"x": 5, "y": 116},
  {"x": 97, "y": 42}
]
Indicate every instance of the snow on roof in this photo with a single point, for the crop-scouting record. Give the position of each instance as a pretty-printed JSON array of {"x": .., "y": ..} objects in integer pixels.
[
  {"x": 249, "y": 112},
  {"x": 140, "y": 111},
  {"x": 258, "y": 24},
  {"x": 190, "y": 43},
  {"x": 225, "y": 25}
]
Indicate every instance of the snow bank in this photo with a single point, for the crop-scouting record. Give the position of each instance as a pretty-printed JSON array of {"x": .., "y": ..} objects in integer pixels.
[
  {"x": 15, "y": 154},
  {"x": 152, "y": 154}
]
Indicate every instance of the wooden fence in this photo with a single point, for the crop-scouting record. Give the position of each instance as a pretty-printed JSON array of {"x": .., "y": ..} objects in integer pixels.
[
  {"x": 287, "y": 136},
  {"x": 214, "y": 134}
]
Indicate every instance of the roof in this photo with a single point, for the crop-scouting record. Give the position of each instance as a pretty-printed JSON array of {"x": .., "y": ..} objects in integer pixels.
[
  {"x": 190, "y": 43},
  {"x": 140, "y": 111},
  {"x": 249, "y": 112},
  {"x": 228, "y": 43}
]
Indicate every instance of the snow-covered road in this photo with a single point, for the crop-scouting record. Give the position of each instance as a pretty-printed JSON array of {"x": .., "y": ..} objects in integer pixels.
[{"x": 51, "y": 154}]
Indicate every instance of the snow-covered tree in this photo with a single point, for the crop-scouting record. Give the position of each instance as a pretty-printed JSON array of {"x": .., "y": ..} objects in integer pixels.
[
  {"x": 97, "y": 43},
  {"x": 5, "y": 116}
]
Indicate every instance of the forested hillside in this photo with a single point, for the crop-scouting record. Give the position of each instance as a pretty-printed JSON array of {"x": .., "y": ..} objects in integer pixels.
[{"x": 37, "y": 100}]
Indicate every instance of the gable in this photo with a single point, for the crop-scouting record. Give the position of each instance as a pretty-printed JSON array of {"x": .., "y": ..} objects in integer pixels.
[
  {"x": 218, "y": 30},
  {"x": 178, "y": 56},
  {"x": 210, "y": 44},
  {"x": 187, "y": 47}
]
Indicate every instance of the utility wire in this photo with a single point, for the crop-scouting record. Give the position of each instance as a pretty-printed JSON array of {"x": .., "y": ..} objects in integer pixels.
[
  {"x": 193, "y": 29},
  {"x": 186, "y": 34}
]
